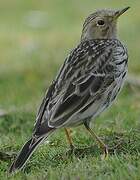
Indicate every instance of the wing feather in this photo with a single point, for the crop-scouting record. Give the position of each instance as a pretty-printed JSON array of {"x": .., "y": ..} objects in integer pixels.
[{"x": 84, "y": 75}]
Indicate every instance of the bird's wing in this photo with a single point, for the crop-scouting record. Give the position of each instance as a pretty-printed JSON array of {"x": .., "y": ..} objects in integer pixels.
[
  {"x": 42, "y": 108},
  {"x": 88, "y": 69}
]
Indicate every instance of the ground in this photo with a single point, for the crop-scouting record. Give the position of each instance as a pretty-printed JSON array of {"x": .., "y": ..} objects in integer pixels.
[{"x": 35, "y": 37}]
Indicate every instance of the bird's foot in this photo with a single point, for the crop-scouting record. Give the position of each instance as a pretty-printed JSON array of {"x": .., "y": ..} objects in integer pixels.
[
  {"x": 71, "y": 150},
  {"x": 105, "y": 154}
]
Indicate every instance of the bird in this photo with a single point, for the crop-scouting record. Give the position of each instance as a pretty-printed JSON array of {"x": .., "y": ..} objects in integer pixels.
[{"x": 87, "y": 84}]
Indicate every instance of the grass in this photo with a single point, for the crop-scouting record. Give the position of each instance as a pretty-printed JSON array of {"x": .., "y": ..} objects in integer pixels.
[{"x": 35, "y": 37}]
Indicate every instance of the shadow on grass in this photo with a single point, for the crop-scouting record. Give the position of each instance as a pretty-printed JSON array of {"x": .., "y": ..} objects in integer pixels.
[{"x": 6, "y": 156}]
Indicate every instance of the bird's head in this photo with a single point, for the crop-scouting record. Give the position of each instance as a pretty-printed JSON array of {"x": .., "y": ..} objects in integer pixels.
[{"x": 102, "y": 24}]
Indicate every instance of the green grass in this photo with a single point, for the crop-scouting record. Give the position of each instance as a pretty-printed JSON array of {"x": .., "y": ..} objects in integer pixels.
[{"x": 31, "y": 54}]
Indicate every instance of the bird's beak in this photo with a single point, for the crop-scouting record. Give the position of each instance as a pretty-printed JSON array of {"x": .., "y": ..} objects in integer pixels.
[{"x": 120, "y": 12}]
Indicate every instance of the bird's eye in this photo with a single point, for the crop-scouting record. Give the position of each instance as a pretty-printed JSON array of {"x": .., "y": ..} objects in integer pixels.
[{"x": 100, "y": 22}]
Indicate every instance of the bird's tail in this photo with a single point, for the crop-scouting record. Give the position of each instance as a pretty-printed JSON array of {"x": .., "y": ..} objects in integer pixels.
[{"x": 25, "y": 153}]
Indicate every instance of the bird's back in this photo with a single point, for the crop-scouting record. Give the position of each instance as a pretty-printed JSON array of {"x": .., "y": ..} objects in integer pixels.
[{"x": 87, "y": 83}]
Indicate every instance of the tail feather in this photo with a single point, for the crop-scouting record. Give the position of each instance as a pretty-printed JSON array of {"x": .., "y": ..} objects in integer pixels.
[{"x": 25, "y": 153}]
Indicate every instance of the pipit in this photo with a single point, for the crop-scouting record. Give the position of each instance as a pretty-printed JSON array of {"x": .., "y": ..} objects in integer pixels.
[{"x": 87, "y": 83}]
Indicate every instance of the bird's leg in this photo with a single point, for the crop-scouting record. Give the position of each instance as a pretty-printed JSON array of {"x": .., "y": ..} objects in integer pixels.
[
  {"x": 101, "y": 143},
  {"x": 67, "y": 131}
]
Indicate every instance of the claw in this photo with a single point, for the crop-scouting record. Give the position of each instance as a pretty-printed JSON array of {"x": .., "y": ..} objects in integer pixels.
[
  {"x": 71, "y": 150},
  {"x": 105, "y": 155}
]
